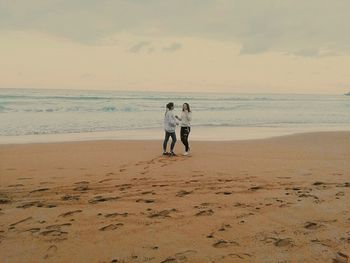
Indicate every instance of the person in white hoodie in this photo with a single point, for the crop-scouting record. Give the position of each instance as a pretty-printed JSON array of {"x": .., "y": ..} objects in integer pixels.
[
  {"x": 186, "y": 118},
  {"x": 169, "y": 127}
]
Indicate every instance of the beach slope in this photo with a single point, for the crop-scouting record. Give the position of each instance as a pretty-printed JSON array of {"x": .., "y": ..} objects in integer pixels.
[{"x": 284, "y": 199}]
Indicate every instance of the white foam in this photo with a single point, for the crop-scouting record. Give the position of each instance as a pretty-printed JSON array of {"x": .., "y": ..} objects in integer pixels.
[{"x": 197, "y": 134}]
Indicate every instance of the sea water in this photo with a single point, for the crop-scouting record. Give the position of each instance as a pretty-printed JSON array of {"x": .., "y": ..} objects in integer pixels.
[{"x": 34, "y": 114}]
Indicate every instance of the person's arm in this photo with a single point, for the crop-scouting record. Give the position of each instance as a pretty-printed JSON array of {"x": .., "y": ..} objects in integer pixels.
[{"x": 189, "y": 116}]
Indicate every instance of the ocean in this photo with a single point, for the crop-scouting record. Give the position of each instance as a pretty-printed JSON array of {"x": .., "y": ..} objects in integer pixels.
[{"x": 34, "y": 113}]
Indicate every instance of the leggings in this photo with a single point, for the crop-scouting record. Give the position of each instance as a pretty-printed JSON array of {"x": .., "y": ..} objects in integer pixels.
[
  {"x": 166, "y": 139},
  {"x": 185, "y": 132}
]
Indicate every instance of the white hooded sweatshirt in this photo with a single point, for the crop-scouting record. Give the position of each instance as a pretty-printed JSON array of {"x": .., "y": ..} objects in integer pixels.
[{"x": 169, "y": 121}]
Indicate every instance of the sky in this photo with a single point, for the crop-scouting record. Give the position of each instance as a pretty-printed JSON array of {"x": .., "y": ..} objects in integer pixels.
[{"x": 274, "y": 46}]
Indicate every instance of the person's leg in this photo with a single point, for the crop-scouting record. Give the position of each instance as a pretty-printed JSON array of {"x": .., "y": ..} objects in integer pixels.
[
  {"x": 187, "y": 135},
  {"x": 173, "y": 137},
  {"x": 182, "y": 135},
  {"x": 166, "y": 139}
]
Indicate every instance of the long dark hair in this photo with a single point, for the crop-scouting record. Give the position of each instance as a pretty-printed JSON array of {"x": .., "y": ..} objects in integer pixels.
[{"x": 188, "y": 107}]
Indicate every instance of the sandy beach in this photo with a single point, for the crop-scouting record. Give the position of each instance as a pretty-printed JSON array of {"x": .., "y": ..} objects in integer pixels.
[{"x": 284, "y": 199}]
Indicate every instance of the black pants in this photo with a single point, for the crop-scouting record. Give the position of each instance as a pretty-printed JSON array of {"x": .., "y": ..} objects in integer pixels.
[
  {"x": 166, "y": 139},
  {"x": 185, "y": 132}
]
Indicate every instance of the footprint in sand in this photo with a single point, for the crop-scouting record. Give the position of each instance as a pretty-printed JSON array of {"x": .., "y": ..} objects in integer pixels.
[
  {"x": 183, "y": 193},
  {"x": 183, "y": 256},
  {"x": 82, "y": 182},
  {"x": 159, "y": 185},
  {"x": 311, "y": 225},
  {"x": 278, "y": 242},
  {"x": 116, "y": 215},
  {"x": 207, "y": 212},
  {"x": 224, "y": 193},
  {"x": 240, "y": 256},
  {"x": 70, "y": 213},
  {"x": 316, "y": 199},
  {"x": 83, "y": 187},
  {"x": 147, "y": 201},
  {"x": 169, "y": 260},
  {"x": 339, "y": 194},
  {"x": 283, "y": 242},
  {"x": 123, "y": 187},
  {"x": 111, "y": 227},
  {"x": 99, "y": 199},
  {"x": 4, "y": 200},
  {"x": 70, "y": 197},
  {"x": 203, "y": 205},
  {"x": 161, "y": 214},
  {"x": 318, "y": 183},
  {"x": 105, "y": 180},
  {"x": 39, "y": 190},
  {"x": 238, "y": 204},
  {"x": 54, "y": 233},
  {"x": 37, "y": 204},
  {"x": 347, "y": 184},
  {"x": 223, "y": 243},
  {"x": 58, "y": 226},
  {"x": 148, "y": 192},
  {"x": 211, "y": 235},
  {"x": 255, "y": 188},
  {"x": 32, "y": 230},
  {"x": 224, "y": 227},
  {"x": 15, "y": 185},
  {"x": 193, "y": 181},
  {"x": 225, "y": 180}
]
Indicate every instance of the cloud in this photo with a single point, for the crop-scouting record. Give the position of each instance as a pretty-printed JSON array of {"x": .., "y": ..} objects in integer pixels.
[
  {"x": 140, "y": 46},
  {"x": 288, "y": 26},
  {"x": 314, "y": 52},
  {"x": 172, "y": 47}
]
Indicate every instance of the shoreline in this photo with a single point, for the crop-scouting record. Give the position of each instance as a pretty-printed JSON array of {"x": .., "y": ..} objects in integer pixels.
[{"x": 198, "y": 133}]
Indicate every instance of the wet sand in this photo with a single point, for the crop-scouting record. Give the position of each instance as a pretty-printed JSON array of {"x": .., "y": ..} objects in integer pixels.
[{"x": 284, "y": 199}]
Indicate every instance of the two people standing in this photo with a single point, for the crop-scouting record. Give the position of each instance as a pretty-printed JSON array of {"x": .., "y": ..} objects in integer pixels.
[{"x": 170, "y": 122}]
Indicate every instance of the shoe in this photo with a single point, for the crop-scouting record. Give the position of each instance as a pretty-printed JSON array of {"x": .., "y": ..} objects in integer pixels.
[
  {"x": 186, "y": 153},
  {"x": 166, "y": 153},
  {"x": 172, "y": 154}
]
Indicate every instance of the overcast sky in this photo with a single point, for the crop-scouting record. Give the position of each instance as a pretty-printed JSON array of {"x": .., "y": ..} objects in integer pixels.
[{"x": 298, "y": 46}]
